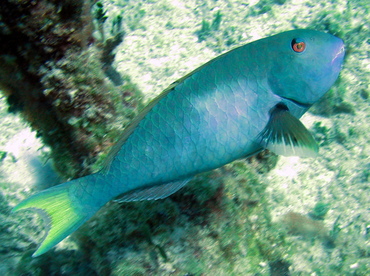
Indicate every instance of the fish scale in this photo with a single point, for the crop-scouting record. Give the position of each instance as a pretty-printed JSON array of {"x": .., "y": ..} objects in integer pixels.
[{"x": 232, "y": 107}]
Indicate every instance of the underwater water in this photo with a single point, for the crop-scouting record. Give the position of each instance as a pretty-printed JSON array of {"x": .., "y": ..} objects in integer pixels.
[{"x": 267, "y": 215}]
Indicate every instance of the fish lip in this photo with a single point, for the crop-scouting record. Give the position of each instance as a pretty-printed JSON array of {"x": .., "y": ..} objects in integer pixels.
[{"x": 339, "y": 55}]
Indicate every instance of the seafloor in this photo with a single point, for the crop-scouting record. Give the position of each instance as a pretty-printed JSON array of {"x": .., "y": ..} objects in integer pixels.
[{"x": 252, "y": 217}]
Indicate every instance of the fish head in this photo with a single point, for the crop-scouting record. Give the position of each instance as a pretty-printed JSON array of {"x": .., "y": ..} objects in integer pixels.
[{"x": 304, "y": 65}]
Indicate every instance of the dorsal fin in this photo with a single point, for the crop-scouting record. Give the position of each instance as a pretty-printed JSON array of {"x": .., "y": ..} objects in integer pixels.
[
  {"x": 286, "y": 135},
  {"x": 154, "y": 192},
  {"x": 131, "y": 127}
]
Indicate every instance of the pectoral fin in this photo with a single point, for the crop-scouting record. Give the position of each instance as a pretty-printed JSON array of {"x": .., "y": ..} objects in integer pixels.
[
  {"x": 153, "y": 193},
  {"x": 286, "y": 135}
]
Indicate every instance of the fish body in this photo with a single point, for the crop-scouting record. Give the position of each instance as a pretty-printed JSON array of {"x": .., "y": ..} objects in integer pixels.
[{"x": 232, "y": 107}]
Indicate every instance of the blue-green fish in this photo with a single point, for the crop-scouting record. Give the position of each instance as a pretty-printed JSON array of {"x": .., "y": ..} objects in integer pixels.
[{"x": 232, "y": 107}]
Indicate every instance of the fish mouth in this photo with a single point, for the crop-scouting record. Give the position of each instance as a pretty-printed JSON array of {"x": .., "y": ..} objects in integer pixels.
[{"x": 338, "y": 57}]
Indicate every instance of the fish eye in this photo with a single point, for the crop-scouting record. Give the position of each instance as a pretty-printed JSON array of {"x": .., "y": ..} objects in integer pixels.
[{"x": 298, "y": 45}]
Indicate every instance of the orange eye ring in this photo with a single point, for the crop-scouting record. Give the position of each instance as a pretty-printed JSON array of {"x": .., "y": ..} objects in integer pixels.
[{"x": 298, "y": 45}]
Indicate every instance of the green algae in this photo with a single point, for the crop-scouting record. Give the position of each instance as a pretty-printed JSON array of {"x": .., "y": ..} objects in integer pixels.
[
  {"x": 208, "y": 28},
  {"x": 320, "y": 210}
]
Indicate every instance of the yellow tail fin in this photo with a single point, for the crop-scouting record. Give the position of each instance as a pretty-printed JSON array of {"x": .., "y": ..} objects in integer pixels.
[{"x": 62, "y": 215}]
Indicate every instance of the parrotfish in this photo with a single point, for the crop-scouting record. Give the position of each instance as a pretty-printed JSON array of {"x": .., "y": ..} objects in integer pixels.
[{"x": 233, "y": 106}]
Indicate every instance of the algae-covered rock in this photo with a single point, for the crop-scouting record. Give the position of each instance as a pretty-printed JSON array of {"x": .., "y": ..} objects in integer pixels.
[{"x": 53, "y": 73}]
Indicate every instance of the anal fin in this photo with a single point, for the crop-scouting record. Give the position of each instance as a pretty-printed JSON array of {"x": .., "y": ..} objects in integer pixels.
[{"x": 154, "y": 192}]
